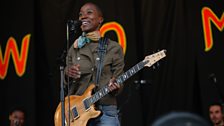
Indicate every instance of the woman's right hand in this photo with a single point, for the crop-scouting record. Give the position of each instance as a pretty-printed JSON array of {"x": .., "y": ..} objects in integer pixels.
[{"x": 73, "y": 71}]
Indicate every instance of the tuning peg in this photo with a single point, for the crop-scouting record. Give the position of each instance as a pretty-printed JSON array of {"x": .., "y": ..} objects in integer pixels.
[
  {"x": 157, "y": 64},
  {"x": 153, "y": 67}
]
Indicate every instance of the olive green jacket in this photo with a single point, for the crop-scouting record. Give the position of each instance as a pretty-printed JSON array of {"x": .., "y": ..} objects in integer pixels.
[{"x": 87, "y": 57}]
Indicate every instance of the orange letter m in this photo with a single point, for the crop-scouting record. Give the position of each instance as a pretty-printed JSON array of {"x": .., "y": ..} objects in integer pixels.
[{"x": 207, "y": 17}]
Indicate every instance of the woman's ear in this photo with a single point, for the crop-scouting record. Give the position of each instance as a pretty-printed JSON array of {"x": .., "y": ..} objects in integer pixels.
[
  {"x": 10, "y": 117},
  {"x": 101, "y": 20}
]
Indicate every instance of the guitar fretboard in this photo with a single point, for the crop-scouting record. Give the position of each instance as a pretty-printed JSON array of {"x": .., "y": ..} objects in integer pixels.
[{"x": 105, "y": 90}]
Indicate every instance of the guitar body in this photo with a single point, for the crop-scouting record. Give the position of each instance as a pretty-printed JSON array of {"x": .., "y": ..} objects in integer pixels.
[{"x": 79, "y": 116}]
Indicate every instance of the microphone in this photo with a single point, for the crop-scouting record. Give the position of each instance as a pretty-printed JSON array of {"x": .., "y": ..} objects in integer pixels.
[
  {"x": 213, "y": 78},
  {"x": 16, "y": 122},
  {"x": 74, "y": 24}
]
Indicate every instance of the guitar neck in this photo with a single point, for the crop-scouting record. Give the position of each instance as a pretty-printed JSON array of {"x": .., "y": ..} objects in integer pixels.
[{"x": 122, "y": 78}]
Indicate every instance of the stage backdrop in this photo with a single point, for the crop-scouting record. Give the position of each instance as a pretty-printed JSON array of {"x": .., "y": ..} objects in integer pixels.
[
  {"x": 17, "y": 59},
  {"x": 33, "y": 39}
]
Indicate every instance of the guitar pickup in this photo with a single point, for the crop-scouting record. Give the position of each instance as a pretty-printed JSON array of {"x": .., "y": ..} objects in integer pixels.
[
  {"x": 75, "y": 113},
  {"x": 86, "y": 104}
]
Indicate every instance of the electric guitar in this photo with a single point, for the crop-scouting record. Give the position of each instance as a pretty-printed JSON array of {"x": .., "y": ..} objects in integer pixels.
[{"x": 82, "y": 107}]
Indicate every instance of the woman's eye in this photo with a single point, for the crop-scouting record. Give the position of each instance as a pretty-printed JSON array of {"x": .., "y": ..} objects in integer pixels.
[{"x": 90, "y": 12}]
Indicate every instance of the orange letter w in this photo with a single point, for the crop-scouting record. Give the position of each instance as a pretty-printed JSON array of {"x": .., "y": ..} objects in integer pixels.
[{"x": 19, "y": 59}]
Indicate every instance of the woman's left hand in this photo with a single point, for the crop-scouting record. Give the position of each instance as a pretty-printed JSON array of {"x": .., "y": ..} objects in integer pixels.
[{"x": 113, "y": 85}]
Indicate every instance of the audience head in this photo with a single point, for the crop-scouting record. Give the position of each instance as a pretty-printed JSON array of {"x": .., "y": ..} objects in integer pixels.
[
  {"x": 216, "y": 113},
  {"x": 180, "y": 119},
  {"x": 17, "y": 117}
]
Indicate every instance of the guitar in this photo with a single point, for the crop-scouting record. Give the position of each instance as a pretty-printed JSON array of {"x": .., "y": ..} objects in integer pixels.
[{"x": 82, "y": 107}]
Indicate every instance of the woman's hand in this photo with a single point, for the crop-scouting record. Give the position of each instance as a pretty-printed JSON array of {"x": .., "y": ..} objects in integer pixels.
[
  {"x": 74, "y": 71},
  {"x": 113, "y": 85}
]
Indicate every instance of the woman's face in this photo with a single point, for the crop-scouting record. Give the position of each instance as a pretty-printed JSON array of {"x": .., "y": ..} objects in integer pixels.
[{"x": 91, "y": 18}]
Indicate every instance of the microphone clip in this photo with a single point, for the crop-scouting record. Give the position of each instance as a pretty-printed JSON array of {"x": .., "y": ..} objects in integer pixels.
[{"x": 74, "y": 24}]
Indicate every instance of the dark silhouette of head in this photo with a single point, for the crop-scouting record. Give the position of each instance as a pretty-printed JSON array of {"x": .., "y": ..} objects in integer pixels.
[{"x": 180, "y": 119}]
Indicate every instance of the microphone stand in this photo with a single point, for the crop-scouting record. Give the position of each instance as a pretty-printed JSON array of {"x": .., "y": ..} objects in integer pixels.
[
  {"x": 62, "y": 98},
  {"x": 214, "y": 81},
  {"x": 62, "y": 92},
  {"x": 71, "y": 29},
  {"x": 62, "y": 64}
]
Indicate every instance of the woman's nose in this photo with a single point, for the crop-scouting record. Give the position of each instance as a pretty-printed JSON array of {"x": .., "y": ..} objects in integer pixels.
[{"x": 83, "y": 16}]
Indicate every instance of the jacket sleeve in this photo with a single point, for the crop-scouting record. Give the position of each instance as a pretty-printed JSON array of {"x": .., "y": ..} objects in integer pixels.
[{"x": 69, "y": 62}]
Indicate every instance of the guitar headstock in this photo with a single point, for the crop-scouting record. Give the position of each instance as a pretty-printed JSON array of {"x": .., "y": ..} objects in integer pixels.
[{"x": 153, "y": 58}]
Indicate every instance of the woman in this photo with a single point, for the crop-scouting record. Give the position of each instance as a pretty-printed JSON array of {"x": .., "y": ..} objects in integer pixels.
[{"x": 82, "y": 65}]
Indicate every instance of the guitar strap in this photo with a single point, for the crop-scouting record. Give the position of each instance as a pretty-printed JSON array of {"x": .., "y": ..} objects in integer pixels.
[{"x": 102, "y": 47}]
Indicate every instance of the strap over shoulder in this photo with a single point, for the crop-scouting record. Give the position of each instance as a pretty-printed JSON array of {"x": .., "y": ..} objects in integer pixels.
[
  {"x": 103, "y": 42},
  {"x": 101, "y": 52}
]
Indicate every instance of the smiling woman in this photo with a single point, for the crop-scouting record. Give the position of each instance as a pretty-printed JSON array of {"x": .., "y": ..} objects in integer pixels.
[
  {"x": 93, "y": 62},
  {"x": 91, "y": 17}
]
